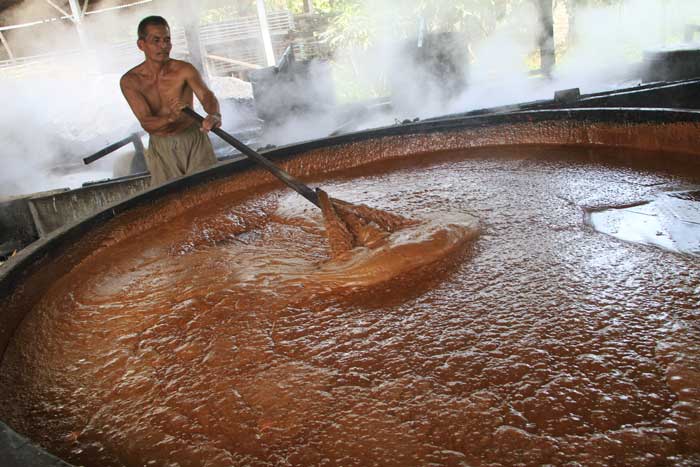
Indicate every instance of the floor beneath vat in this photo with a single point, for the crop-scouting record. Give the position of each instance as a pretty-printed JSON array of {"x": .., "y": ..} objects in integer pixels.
[{"x": 547, "y": 342}]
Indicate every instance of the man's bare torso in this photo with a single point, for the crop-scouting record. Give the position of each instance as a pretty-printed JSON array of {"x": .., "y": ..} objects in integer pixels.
[{"x": 161, "y": 90}]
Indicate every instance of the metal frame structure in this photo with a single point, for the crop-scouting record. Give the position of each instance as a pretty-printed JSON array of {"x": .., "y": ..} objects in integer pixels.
[
  {"x": 76, "y": 15},
  {"x": 271, "y": 28}
]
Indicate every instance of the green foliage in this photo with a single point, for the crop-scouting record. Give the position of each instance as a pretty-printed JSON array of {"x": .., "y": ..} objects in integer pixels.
[
  {"x": 295, "y": 6},
  {"x": 355, "y": 22},
  {"x": 221, "y": 10}
]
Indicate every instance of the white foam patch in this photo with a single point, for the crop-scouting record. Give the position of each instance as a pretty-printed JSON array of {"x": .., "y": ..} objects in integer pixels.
[
  {"x": 293, "y": 206},
  {"x": 402, "y": 252}
]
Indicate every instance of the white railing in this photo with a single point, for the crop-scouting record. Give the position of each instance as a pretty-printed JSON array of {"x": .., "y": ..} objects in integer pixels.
[{"x": 235, "y": 46}]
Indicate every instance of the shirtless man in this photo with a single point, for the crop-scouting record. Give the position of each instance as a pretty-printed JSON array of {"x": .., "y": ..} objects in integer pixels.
[{"x": 156, "y": 91}]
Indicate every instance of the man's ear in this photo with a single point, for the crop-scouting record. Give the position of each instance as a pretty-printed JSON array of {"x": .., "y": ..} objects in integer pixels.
[{"x": 139, "y": 44}]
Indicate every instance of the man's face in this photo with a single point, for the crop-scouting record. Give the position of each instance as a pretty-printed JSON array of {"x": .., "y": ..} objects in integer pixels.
[{"x": 156, "y": 46}]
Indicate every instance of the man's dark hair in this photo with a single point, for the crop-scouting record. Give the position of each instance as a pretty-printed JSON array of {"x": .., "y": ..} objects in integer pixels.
[{"x": 151, "y": 21}]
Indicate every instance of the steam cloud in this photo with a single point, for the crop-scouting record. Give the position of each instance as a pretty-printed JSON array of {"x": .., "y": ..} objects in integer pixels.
[
  {"x": 605, "y": 53},
  {"x": 59, "y": 117},
  {"x": 63, "y": 109}
]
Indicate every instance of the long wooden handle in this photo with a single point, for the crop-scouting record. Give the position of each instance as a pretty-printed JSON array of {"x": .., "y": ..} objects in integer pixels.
[
  {"x": 290, "y": 181},
  {"x": 113, "y": 147}
]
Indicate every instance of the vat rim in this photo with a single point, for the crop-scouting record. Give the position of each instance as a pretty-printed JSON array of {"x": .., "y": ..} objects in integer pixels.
[
  {"x": 15, "y": 270},
  {"x": 627, "y": 115}
]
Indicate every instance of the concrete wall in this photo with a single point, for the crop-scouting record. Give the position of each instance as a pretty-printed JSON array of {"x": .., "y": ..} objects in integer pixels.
[
  {"x": 16, "y": 226},
  {"x": 58, "y": 209},
  {"x": 26, "y": 219}
]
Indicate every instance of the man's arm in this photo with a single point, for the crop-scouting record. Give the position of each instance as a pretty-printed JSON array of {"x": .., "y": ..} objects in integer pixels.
[
  {"x": 149, "y": 122},
  {"x": 205, "y": 96}
]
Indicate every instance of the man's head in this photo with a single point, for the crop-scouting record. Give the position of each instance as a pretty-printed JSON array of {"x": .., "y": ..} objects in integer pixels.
[{"x": 154, "y": 38}]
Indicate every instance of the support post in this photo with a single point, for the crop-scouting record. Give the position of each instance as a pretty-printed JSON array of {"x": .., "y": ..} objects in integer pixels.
[
  {"x": 265, "y": 31},
  {"x": 190, "y": 21},
  {"x": 7, "y": 46},
  {"x": 78, "y": 20},
  {"x": 308, "y": 6},
  {"x": 546, "y": 37},
  {"x": 138, "y": 163}
]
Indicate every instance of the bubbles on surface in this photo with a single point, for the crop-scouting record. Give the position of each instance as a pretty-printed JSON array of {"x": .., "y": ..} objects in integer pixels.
[{"x": 543, "y": 342}]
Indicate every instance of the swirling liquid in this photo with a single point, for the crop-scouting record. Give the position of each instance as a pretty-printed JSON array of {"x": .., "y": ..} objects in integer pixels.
[{"x": 226, "y": 338}]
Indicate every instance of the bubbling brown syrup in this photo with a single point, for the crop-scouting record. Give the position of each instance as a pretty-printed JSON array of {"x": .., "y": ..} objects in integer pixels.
[{"x": 227, "y": 336}]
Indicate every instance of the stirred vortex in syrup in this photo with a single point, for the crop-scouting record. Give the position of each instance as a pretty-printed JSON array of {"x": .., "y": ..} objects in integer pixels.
[{"x": 230, "y": 336}]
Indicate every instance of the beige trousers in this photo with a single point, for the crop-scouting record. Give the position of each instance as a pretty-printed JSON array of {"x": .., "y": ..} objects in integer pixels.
[{"x": 172, "y": 156}]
